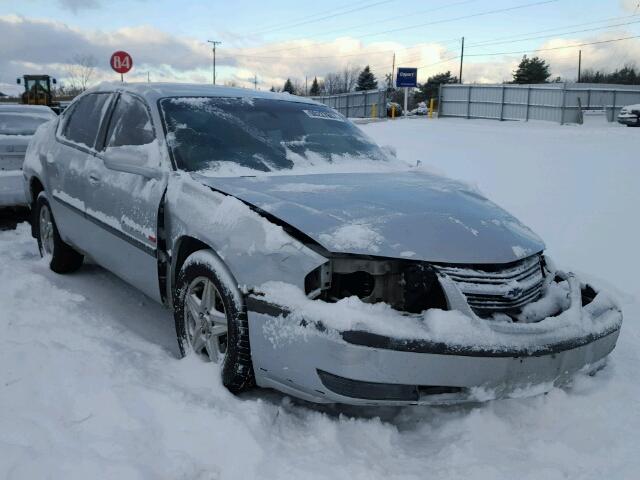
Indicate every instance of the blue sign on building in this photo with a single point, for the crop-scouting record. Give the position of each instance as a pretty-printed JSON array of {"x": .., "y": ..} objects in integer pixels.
[{"x": 407, "y": 77}]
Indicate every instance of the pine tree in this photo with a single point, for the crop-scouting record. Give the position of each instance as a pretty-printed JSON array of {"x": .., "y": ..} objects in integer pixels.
[
  {"x": 273, "y": 89},
  {"x": 366, "y": 80},
  {"x": 431, "y": 87},
  {"x": 288, "y": 87},
  {"x": 531, "y": 70},
  {"x": 315, "y": 88}
]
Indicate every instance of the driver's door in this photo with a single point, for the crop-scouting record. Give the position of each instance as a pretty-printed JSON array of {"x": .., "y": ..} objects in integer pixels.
[{"x": 125, "y": 205}]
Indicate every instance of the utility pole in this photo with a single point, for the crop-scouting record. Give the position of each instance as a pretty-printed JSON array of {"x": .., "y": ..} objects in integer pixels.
[
  {"x": 255, "y": 81},
  {"x": 148, "y": 77},
  {"x": 393, "y": 70},
  {"x": 213, "y": 44},
  {"x": 306, "y": 85},
  {"x": 461, "y": 60},
  {"x": 579, "y": 65}
]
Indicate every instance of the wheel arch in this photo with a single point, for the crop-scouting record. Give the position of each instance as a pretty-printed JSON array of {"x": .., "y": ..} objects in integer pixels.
[{"x": 185, "y": 246}]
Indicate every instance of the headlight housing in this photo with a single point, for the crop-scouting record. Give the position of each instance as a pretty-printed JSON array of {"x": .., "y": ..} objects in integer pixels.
[{"x": 407, "y": 286}]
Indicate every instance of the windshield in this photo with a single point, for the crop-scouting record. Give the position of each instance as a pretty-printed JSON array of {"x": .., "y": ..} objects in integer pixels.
[
  {"x": 15, "y": 123},
  {"x": 215, "y": 133}
]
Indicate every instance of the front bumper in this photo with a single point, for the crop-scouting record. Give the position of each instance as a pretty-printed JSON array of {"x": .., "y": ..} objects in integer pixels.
[
  {"x": 628, "y": 119},
  {"x": 362, "y": 368},
  {"x": 12, "y": 191}
]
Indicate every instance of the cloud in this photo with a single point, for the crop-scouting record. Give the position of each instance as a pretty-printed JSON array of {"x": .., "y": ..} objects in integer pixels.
[
  {"x": 44, "y": 46},
  {"x": 47, "y": 47},
  {"x": 632, "y": 6}
]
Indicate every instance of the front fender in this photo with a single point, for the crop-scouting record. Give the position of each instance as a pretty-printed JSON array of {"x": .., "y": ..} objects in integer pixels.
[{"x": 254, "y": 249}]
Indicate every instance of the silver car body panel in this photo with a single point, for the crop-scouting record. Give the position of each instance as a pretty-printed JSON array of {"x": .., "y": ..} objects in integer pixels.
[
  {"x": 191, "y": 212},
  {"x": 135, "y": 225},
  {"x": 12, "y": 152},
  {"x": 293, "y": 368},
  {"x": 414, "y": 215}
]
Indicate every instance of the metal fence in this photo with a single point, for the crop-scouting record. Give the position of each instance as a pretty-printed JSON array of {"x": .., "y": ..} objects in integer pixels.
[
  {"x": 366, "y": 104},
  {"x": 551, "y": 102}
]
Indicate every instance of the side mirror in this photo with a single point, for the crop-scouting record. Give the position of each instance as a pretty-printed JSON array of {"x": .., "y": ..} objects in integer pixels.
[
  {"x": 54, "y": 81},
  {"x": 389, "y": 151},
  {"x": 18, "y": 81},
  {"x": 130, "y": 160}
]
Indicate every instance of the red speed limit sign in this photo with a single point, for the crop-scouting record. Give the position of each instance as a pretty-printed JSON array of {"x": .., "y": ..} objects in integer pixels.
[{"x": 121, "y": 62}]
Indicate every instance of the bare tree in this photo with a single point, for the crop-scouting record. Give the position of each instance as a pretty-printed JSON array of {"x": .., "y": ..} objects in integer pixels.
[
  {"x": 80, "y": 71},
  {"x": 349, "y": 77},
  {"x": 332, "y": 84},
  {"x": 341, "y": 82}
]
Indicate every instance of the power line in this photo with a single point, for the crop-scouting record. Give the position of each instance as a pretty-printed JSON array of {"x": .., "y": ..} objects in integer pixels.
[
  {"x": 333, "y": 15},
  {"x": 305, "y": 17},
  {"x": 434, "y": 22},
  {"x": 389, "y": 19},
  {"x": 552, "y": 29},
  {"x": 485, "y": 44},
  {"x": 529, "y": 51},
  {"x": 555, "y": 48},
  {"x": 364, "y": 53},
  {"x": 493, "y": 41}
]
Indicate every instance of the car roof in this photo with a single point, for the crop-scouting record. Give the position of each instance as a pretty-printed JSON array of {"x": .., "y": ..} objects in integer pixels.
[
  {"x": 152, "y": 92},
  {"x": 19, "y": 108}
]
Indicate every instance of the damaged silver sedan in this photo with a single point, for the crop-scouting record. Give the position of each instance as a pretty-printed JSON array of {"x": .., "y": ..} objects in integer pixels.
[{"x": 300, "y": 256}]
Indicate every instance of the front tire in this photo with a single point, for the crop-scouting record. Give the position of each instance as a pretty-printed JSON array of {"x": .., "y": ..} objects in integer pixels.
[
  {"x": 211, "y": 320},
  {"x": 62, "y": 257}
]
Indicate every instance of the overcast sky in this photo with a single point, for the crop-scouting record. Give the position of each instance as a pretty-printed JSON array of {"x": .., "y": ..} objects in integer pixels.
[{"x": 280, "y": 39}]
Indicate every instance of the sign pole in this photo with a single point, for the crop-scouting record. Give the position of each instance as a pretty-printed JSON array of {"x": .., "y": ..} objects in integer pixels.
[
  {"x": 407, "y": 78},
  {"x": 406, "y": 96},
  {"x": 122, "y": 78}
]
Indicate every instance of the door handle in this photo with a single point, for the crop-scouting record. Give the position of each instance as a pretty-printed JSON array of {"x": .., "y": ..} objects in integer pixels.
[{"x": 94, "y": 178}]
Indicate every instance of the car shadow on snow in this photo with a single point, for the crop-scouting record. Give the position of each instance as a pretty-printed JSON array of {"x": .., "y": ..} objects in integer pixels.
[{"x": 10, "y": 218}]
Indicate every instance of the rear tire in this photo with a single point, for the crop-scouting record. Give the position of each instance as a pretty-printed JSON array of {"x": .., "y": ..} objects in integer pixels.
[
  {"x": 211, "y": 319},
  {"x": 62, "y": 257}
]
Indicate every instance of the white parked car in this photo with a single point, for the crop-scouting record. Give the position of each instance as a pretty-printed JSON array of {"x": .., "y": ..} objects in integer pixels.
[
  {"x": 630, "y": 116},
  {"x": 17, "y": 125}
]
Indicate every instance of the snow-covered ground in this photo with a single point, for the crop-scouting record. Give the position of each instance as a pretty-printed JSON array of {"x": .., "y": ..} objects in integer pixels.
[{"x": 90, "y": 384}]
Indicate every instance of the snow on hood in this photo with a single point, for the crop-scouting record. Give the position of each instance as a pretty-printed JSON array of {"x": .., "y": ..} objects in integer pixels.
[{"x": 398, "y": 214}]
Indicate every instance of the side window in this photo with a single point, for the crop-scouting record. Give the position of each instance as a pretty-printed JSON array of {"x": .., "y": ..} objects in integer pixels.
[
  {"x": 130, "y": 123},
  {"x": 84, "y": 121}
]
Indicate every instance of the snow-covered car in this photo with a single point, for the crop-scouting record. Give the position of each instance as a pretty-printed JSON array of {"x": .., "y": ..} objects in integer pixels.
[
  {"x": 421, "y": 109},
  {"x": 302, "y": 257},
  {"x": 394, "y": 109},
  {"x": 17, "y": 124},
  {"x": 630, "y": 116}
]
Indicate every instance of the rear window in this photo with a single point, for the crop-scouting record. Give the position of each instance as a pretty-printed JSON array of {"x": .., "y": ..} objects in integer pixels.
[
  {"x": 18, "y": 123},
  {"x": 215, "y": 133},
  {"x": 84, "y": 121}
]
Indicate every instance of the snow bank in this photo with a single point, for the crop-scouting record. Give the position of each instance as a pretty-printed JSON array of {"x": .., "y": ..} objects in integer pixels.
[{"x": 91, "y": 387}]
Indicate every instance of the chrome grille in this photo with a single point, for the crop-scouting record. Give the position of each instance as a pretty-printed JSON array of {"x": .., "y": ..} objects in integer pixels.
[{"x": 498, "y": 289}]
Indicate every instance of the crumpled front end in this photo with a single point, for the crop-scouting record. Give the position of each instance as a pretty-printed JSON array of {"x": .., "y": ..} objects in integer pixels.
[{"x": 505, "y": 331}]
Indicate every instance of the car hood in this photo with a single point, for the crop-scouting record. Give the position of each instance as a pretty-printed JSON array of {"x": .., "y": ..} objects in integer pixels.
[{"x": 411, "y": 215}]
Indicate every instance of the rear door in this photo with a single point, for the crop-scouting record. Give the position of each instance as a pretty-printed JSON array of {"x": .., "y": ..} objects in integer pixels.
[
  {"x": 67, "y": 174},
  {"x": 126, "y": 205}
]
